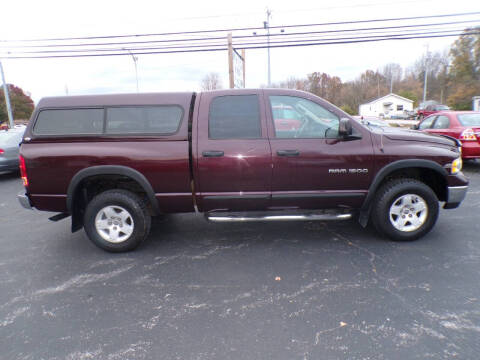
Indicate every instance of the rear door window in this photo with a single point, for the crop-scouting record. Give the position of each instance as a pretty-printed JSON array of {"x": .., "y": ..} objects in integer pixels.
[
  {"x": 144, "y": 119},
  {"x": 234, "y": 117},
  {"x": 69, "y": 122},
  {"x": 442, "y": 122}
]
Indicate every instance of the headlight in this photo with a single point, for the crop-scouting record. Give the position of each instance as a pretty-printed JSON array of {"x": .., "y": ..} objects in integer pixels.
[{"x": 456, "y": 166}]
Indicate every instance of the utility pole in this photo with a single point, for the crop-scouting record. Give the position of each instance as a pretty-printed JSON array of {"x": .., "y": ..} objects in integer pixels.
[
  {"x": 135, "y": 59},
  {"x": 243, "y": 57},
  {"x": 266, "y": 25},
  {"x": 7, "y": 98},
  {"x": 426, "y": 76},
  {"x": 378, "y": 85},
  {"x": 231, "y": 80},
  {"x": 391, "y": 83}
]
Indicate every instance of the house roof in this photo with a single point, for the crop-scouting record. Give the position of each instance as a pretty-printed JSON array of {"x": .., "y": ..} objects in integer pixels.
[{"x": 391, "y": 94}]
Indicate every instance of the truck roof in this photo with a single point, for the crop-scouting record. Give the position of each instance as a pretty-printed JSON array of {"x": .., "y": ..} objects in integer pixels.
[{"x": 180, "y": 98}]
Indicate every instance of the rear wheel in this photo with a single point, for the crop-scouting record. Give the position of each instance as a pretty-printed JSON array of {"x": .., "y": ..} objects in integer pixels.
[
  {"x": 117, "y": 220},
  {"x": 405, "y": 209}
]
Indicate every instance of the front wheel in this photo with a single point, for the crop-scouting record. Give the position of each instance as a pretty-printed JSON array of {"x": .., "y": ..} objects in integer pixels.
[
  {"x": 405, "y": 209},
  {"x": 117, "y": 220}
]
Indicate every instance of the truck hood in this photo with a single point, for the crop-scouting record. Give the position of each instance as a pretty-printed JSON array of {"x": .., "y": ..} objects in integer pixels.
[{"x": 415, "y": 135}]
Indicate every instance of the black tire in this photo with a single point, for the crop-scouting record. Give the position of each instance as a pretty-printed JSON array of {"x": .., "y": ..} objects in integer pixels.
[
  {"x": 390, "y": 193},
  {"x": 135, "y": 207}
]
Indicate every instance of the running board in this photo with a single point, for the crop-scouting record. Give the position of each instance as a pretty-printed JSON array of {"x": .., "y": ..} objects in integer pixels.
[{"x": 277, "y": 216}]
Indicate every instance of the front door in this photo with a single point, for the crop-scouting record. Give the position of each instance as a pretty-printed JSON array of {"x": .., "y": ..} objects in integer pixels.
[
  {"x": 312, "y": 167},
  {"x": 232, "y": 155}
]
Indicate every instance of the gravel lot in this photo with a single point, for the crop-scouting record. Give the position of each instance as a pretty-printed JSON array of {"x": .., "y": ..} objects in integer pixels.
[{"x": 197, "y": 290}]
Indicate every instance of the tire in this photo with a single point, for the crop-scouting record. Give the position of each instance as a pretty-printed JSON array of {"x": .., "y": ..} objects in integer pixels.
[
  {"x": 117, "y": 220},
  {"x": 392, "y": 213}
]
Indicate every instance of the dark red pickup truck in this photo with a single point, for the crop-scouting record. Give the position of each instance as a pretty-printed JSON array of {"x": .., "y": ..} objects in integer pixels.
[{"x": 113, "y": 161}]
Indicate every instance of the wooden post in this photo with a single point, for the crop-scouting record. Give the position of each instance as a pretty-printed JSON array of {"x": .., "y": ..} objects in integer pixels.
[{"x": 230, "y": 61}]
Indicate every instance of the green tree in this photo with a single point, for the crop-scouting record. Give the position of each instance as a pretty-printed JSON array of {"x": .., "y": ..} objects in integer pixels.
[
  {"x": 464, "y": 72},
  {"x": 409, "y": 95},
  {"x": 22, "y": 104},
  {"x": 348, "y": 109}
]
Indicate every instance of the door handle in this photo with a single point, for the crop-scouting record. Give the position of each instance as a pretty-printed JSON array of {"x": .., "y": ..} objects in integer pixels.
[
  {"x": 288, "y": 152},
  {"x": 212, "y": 153}
]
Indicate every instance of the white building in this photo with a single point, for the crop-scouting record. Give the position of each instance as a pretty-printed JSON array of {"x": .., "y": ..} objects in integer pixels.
[
  {"x": 386, "y": 106},
  {"x": 476, "y": 103}
]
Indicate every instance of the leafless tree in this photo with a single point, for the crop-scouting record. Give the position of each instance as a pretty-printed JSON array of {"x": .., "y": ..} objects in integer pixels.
[{"x": 211, "y": 81}]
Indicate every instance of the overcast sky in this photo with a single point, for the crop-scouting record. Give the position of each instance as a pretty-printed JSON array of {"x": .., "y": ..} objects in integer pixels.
[{"x": 183, "y": 72}]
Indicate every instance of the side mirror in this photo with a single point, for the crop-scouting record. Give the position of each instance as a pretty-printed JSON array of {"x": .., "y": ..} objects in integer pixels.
[
  {"x": 415, "y": 127},
  {"x": 345, "y": 128}
]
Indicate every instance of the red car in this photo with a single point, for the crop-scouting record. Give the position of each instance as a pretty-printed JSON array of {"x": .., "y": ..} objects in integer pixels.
[
  {"x": 286, "y": 119},
  {"x": 462, "y": 125},
  {"x": 431, "y": 109}
]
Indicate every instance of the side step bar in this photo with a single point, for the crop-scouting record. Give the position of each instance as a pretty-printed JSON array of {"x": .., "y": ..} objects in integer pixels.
[{"x": 277, "y": 216}]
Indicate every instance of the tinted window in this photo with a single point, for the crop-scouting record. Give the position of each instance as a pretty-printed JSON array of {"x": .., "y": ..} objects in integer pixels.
[
  {"x": 69, "y": 122},
  {"x": 234, "y": 117},
  {"x": 425, "y": 124},
  {"x": 442, "y": 122},
  {"x": 144, "y": 119},
  {"x": 295, "y": 117},
  {"x": 469, "y": 119}
]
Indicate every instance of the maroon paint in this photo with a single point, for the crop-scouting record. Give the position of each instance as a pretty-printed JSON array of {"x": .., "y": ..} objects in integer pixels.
[{"x": 246, "y": 177}]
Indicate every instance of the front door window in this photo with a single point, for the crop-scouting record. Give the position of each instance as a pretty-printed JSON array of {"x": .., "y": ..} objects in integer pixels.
[{"x": 295, "y": 117}]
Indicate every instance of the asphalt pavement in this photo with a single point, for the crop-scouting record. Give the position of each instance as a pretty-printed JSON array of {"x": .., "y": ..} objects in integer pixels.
[{"x": 198, "y": 290}]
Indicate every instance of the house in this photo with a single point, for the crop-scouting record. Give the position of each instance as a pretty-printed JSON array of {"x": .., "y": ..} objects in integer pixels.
[
  {"x": 386, "y": 106},
  {"x": 476, "y": 103}
]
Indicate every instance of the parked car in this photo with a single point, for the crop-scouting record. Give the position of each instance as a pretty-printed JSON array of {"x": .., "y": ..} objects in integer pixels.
[
  {"x": 371, "y": 120},
  {"x": 287, "y": 120},
  {"x": 113, "y": 161},
  {"x": 9, "y": 148},
  {"x": 461, "y": 125},
  {"x": 430, "y": 109}
]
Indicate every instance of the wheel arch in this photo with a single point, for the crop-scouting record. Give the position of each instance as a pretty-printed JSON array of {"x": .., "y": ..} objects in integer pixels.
[
  {"x": 417, "y": 168},
  {"x": 81, "y": 176}
]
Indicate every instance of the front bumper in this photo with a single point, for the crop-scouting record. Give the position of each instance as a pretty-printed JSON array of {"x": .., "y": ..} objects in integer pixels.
[
  {"x": 455, "y": 195},
  {"x": 24, "y": 200}
]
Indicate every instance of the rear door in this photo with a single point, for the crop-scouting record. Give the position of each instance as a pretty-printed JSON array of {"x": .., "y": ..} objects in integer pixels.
[
  {"x": 312, "y": 167},
  {"x": 441, "y": 126},
  {"x": 232, "y": 152}
]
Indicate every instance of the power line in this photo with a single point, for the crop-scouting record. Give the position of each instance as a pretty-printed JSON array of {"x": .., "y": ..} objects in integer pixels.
[
  {"x": 244, "y": 28},
  {"x": 241, "y": 36},
  {"x": 246, "y": 47},
  {"x": 242, "y": 44}
]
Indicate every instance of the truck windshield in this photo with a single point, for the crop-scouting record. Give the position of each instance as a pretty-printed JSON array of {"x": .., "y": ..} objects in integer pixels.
[{"x": 469, "y": 119}]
